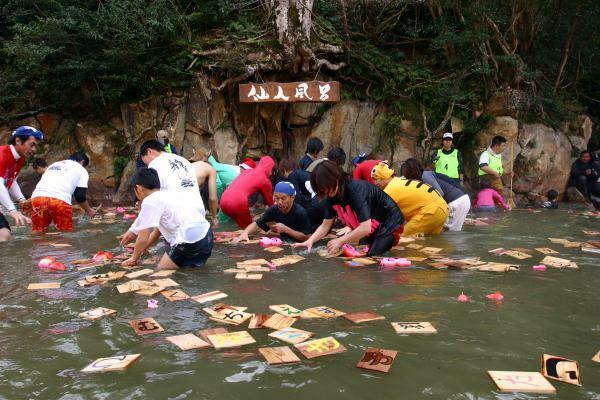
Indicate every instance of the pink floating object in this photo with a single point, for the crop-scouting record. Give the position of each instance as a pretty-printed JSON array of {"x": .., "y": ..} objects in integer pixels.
[
  {"x": 388, "y": 262},
  {"x": 102, "y": 256},
  {"x": 152, "y": 303},
  {"x": 129, "y": 216},
  {"x": 268, "y": 242},
  {"x": 272, "y": 266},
  {"x": 57, "y": 266},
  {"x": 463, "y": 298},
  {"x": 350, "y": 251},
  {"x": 540, "y": 267},
  {"x": 45, "y": 262},
  {"x": 498, "y": 296},
  {"x": 402, "y": 262},
  {"x": 121, "y": 210}
]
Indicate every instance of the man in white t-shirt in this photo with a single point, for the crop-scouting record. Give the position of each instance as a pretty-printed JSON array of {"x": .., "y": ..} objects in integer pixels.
[
  {"x": 51, "y": 199},
  {"x": 181, "y": 223}
]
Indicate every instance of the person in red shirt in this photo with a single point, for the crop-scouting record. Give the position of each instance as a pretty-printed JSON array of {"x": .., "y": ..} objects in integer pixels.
[
  {"x": 22, "y": 144},
  {"x": 364, "y": 167},
  {"x": 234, "y": 201}
]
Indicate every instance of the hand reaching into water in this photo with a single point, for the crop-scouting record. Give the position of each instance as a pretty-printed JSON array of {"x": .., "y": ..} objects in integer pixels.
[{"x": 307, "y": 243}]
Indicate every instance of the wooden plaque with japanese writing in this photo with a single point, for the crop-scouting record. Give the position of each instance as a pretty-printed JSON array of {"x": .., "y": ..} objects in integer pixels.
[
  {"x": 257, "y": 321},
  {"x": 413, "y": 327},
  {"x": 320, "y": 347},
  {"x": 205, "y": 333},
  {"x": 231, "y": 317},
  {"x": 290, "y": 92},
  {"x": 43, "y": 285},
  {"x": 210, "y": 296},
  {"x": 231, "y": 339},
  {"x": 519, "y": 381},
  {"x": 165, "y": 282},
  {"x": 96, "y": 313},
  {"x": 116, "y": 363},
  {"x": 279, "y": 355},
  {"x": 188, "y": 341},
  {"x": 145, "y": 326},
  {"x": 561, "y": 369},
  {"x": 377, "y": 359},
  {"x": 249, "y": 277},
  {"x": 363, "y": 316},
  {"x": 291, "y": 335},
  {"x": 286, "y": 310},
  {"x": 278, "y": 321},
  {"x": 321, "y": 312},
  {"x": 175, "y": 295},
  {"x": 141, "y": 272}
]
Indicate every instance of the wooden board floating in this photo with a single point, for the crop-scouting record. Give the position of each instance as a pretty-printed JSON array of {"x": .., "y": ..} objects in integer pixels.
[
  {"x": 279, "y": 355},
  {"x": 165, "y": 282},
  {"x": 175, "y": 295},
  {"x": 556, "y": 262},
  {"x": 134, "y": 286},
  {"x": 291, "y": 335},
  {"x": 596, "y": 358},
  {"x": 205, "y": 333},
  {"x": 364, "y": 261},
  {"x": 96, "y": 313},
  {"x": 273, "y": 249},
  {"x": 321, "y": 312},
  {"x": 519, "y": 255},
  {"x": 222, "y": 307},
  {"x": 287, "y": 260},
  {"x": 163, "y": 274},
  {"x": 257, "y": 321},
  {"x": 377, "y": 360},
  {"x": 279, "y": 321},
  {"x": 286, "y": 310},
  {"x": 231, "y": 317},
  {"x": 363, "y": 316},
  {"x": 561, "y": 369},
  {"x": 116, "y": 363},
  {"x": 145, "y": 326},
  {"x": 320, "y": 347},
  {"x": 250, "y": 277},
  {"x": 519, "y": 381},
  {"x": 257, "y": 261},
  {"x": 188, "y": 341},
  {"x": 43, "y": 285},
  {"x": 413, "y": 327},
  {"x": 546, "y": 250},
  {"x": 210, "y": 296},
  {"x": 141, "y": 272},
  {"x": 254, "y": 268},
  {"x": 231, "y": 339}
]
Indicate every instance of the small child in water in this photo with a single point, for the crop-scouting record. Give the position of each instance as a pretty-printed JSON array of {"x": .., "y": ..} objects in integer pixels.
[
  {"x": 487, "y": 198},
  {"x": 551, "y": 203}
]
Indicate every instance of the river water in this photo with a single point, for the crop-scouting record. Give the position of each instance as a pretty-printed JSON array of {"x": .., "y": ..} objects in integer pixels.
[{"x": 44, "y": 344}]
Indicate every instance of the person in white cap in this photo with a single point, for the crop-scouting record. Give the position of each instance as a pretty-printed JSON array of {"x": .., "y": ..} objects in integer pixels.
[{"x": 448, "y": 160}]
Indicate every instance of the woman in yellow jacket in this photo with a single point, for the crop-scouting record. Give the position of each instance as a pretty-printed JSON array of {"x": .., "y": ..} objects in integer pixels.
[{"x": 422, "y": 206}]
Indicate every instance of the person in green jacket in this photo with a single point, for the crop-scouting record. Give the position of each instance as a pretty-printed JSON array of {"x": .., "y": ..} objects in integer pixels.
[
  {"x": 448, "y": 160},
  {"x": 490, "y": 163}
]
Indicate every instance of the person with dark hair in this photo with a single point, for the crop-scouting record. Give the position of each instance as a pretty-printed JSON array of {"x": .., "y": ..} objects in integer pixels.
[
  {"x": 22, "y": 144},
  {"x": 448, "y": 160},
  {"x": 181, "y": 223},
  {"x": 286, "y": 217},
  {"x": 235, "y": 200},
  {"x": 551, "y": 202},
  {"x": 39, "y": 165},
  {"x": 162, "y": 136},
  {"x": 487, "y": 198},
  {"x": 490, "y": 163},
  {"x": 337, "y": 155},
  {"x": 585, "y": 175},
  {"x": 313, "y": 148},
  {"x": 451, "y": 191},
  {"x": 51, "y": 199},
  {"x": 424, "y": 209},
  {"x": 373, "y": 216},
  {"x": 363, "y": 167}
]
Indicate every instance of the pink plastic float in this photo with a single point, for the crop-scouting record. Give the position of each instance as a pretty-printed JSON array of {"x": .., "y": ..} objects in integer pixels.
[
  {"x": 498, "y": 296},
  {"x": 268, "y": 242},
  {"x": 395, "y": 262},
  {"x": 463, "y": 298},
  {"x": 121, "y": 210},
  {"x": 129, "y": 216},
  {"x": 152, "y": 303},
  {"x": 45, "y": 262},
  {"x": 51, "y": 264},
  {"x": 540, "y": 267},
  {"x": 350, "y": 251},
  {"x": 102, "y": 256}
]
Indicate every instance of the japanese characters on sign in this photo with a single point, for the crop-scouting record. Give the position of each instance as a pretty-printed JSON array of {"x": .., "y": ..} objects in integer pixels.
[{"x": 289, "y": 92}]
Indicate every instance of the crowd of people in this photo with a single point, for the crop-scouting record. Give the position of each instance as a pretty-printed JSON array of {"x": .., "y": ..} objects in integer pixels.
[{"x": 305, "y": 200}]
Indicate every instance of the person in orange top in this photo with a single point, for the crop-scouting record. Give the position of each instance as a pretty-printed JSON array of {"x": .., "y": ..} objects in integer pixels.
[{"x": 22, "y": 144}]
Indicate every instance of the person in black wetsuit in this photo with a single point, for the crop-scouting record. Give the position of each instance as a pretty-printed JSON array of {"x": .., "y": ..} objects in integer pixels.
[
  {"x": 313, "y": 148},
  {"x": 373, "y": 216},
  {"x": 585, "y": 175}
]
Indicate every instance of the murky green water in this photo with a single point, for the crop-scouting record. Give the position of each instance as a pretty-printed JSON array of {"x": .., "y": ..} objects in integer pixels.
[{"x": 44, "y": 344}]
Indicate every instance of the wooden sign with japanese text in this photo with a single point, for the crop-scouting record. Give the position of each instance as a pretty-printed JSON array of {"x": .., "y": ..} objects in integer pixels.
[
  {"x": 188, "y": 341},
  {"x": 210, "y": 296},
  {"x": 205, "y": 333},
  {"x": 279, "y": 355},
  {"x": 231, "y": 317},
  {"x": 165, "y": 282},
  {"x": 141, "y": 272},
  {"x": 278, "y": 321},
  {"x": 321, "y": 312},
  {"x": 175, "y": 295},
  {"x": 145, "y": 326},
  {"x": 291, "y": 335},
  {"x": 231, "y": 339},
  {"x": 96, "y": 313},
  {"x": 257, "y": 321},
  {"x": 377, "y": 360},
  {"x": 286, "y": 310},
  {"x": 290, "y": 92},
  {"x": 519, "y": 381},
  {"x": 363, "y": 316},
  {"x": 320, "y": 347},
  {"x": 116, "y": 363},
  {"x": 561, "y": 369},
  {"x": 413, "y": 327}
]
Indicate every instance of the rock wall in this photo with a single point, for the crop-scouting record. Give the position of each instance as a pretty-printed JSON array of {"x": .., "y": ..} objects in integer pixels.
[{"x": 205, "y": 118}]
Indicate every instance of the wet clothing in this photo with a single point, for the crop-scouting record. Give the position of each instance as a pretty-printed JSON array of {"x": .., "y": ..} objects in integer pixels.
[
  {"x": 488, "y": 198},
  {"x": 235, "y": 199},
  {"x": 363, "y": 170},
  {"x": 586, "y": 184},
  {"x": 449, "y": 163},
  {"x": 225, "y": 174},
  {"x": 60, "y": 181},
  {"x": 296, "y": 219},
  {"x": 453, "y": 193},
  {"x": 10, "y": 166},
  {"x": 362, "y": 201},
  {"x": 423, "y": 207},
  {"x": 169, "y": 148},
  {"x": 45, "y": 210},
  {"x": 192, "y": 254},
  {"x": 305, "y": 162}
]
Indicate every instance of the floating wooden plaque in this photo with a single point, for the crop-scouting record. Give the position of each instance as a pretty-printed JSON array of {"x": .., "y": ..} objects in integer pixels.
[
  {"x": 430, "y": 250},
  {"x": 43, "y": 285},
  {"x": 231, "y": 317},
  {"x": 254, "y": 268},
  {"x": 205, "y": 333},
  {"x": 257, "y": 320},
  {"x": 519, "y": 381},
  {"x": 150, "y": 291},
  {"x": 320, "y": 347},
  {"x": 258, "y": 261},
  {"x": 60, "y": 245},
  {"x": 413, "y": 327},
  {"x": 414, "y": 246},
  {"x": 189, "y": 341},
  {"x": 596, "y": 358},
  {"x": 558, "y": 240},
  {"x": 231, "y": 339},
  {"x": 250, "y": 277},
  {"x": 286, "y": 310},
  {"x": 210, "y": 296},
  {"x": 274, "y": 249},
  {"x": 116, "y": 363},
  {"x": 556, "y": 262},
  {"x": 175, "y": 295},
  {"x": 290, "y": 92},
  {"x": 165, "y": 282},
  {"x": 292, "y": 259},
  {"x": 279, "y": 321},
  {"x": 546, "y": 250},
  {"x": 377, "y": 360},
  {"x": 163, "y": 273},
  {"x": 141, "y": 272},
  {"x": 416, "y": 259},
  {"x": 561, "y": 369},
  {"x": 364, "y": 260},
  {"x": 235, "y": 270},
  {"x": 96, "y": 313},
  {"x": 291, "y": 335},
  {"x": 363, "y": 316},
  {"x": 145, "y": 326},
  {"x": 321, "y": 312},
  {"x": 517, "y": 254},
  {"x": 279, "y": 355},
  {"x": 134, "y": 285}
]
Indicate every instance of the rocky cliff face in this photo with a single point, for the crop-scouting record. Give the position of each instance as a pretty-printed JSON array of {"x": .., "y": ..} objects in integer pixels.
[{"x": 205, "y": 118}]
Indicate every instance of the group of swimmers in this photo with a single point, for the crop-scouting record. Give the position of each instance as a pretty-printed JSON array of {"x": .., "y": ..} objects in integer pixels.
[{"x": 374, "y": 205}]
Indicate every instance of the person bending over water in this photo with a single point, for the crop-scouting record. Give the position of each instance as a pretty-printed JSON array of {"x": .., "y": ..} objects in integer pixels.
[
  {"x": 181, "y": 223},
  {"x": 373, "y": 216},
  {"x": 286, "y": 217},
  {"x": 487, "y": 198}
]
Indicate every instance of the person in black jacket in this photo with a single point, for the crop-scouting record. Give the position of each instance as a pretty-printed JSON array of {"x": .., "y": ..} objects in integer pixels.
[{"x": 585, "y": 175}]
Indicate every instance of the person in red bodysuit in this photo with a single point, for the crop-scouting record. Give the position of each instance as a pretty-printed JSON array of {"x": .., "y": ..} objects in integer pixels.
[
  {"x": 363, "y": 168},
  {"x": 234, "y": 201}
]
